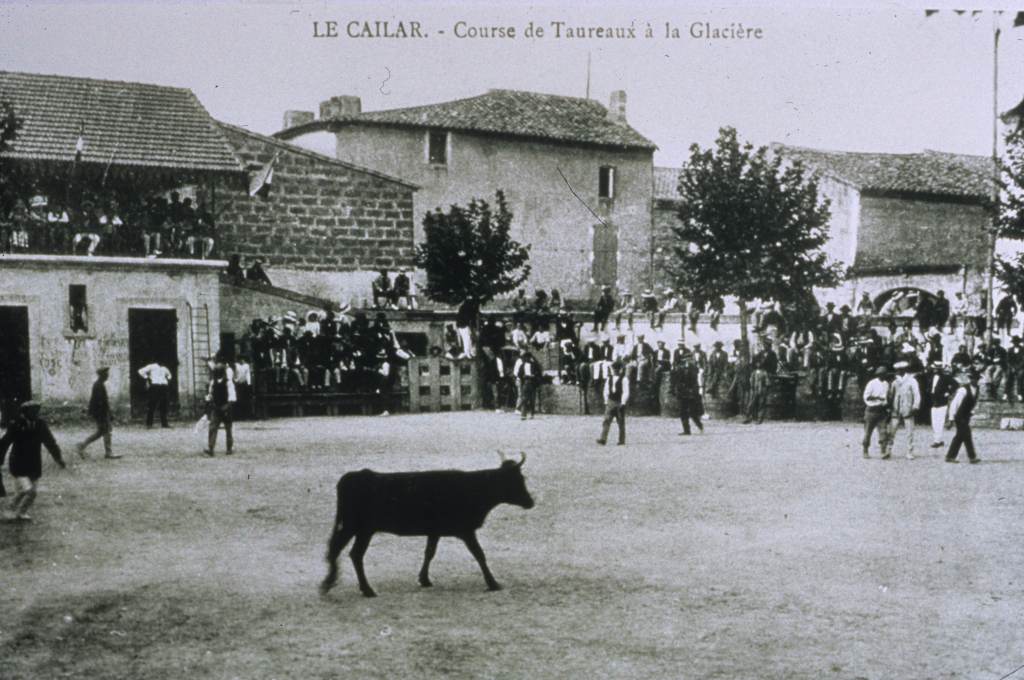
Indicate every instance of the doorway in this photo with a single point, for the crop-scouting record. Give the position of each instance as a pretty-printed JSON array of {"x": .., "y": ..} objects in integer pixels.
[
  {"x": 152, "y": 336},
  {"x": 15, "y": 365}
]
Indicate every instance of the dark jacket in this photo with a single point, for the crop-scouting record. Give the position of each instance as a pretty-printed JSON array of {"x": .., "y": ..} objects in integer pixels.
[
  {"x": 26, "y": 438},
  {"x": 942, "y": 390},
  {"x": 99, "y": 402}
]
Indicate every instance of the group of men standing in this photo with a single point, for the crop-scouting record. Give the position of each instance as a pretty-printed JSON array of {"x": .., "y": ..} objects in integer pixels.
[{"x": 892, "y": 403}]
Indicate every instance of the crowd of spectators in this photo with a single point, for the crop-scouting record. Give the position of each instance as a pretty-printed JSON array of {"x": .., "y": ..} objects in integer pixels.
[
  {"x": 324, "y": 352},
  {"x": 154, "y": 227}
]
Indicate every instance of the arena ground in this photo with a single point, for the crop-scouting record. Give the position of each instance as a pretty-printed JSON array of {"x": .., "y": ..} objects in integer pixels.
[{"x": 768, "y": 551}]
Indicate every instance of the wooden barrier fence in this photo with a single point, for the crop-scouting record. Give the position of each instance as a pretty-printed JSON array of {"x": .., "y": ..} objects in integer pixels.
[{"x": 437, "y": 384}]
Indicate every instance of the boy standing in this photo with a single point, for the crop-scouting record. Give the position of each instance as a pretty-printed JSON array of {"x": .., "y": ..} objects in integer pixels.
[{"x": 27, "y": 434}]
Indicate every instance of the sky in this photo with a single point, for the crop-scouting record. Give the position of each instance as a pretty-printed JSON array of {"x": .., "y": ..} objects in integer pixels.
[{"x": 881, "y": 77}]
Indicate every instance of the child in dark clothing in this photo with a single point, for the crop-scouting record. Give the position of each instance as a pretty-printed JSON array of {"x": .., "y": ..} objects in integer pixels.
[{"x": 26, "y": 436}]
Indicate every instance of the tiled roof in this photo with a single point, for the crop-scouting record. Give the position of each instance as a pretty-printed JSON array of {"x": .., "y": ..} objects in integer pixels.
[
  {"x": 505, "y": 112},
  {"x": 121, "y": 123},
  {"x": 930, "y": 172},
  {"x": 666, "y": 184},
  {"x": 313, "y": 155}
]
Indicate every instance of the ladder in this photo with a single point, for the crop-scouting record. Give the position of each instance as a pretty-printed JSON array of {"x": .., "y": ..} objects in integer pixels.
[{"x": 199, "y": 335}]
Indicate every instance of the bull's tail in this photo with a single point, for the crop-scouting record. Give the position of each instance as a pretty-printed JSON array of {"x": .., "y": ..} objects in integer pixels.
[{"x": 339, "y": 538}]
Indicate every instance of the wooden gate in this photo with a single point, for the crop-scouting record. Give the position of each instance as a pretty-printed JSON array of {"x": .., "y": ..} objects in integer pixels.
[{"x": 437, "y": 384}]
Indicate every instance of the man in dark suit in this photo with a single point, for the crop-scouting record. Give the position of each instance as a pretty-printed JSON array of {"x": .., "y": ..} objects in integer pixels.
[
  {"x": 960, "y": 412},
  {"x": 99, "y": 410},
  {"x": 940, "y": 389},
  {"x": 687, "y": 388},
  {"x": 616, "y": 396}
]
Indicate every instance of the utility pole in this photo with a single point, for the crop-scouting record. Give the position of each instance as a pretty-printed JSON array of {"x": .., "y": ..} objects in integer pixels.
[{"x": 994, "y": 230}]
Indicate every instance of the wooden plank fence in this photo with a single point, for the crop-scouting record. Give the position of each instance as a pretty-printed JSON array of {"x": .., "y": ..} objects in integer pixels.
[{"x": 438, "y": 384}]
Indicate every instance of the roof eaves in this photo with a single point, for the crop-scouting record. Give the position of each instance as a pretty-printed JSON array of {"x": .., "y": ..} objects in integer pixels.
[{"x": 294, "y": 148}]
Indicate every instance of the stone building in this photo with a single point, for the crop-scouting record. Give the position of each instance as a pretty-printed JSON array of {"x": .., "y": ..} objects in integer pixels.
[
  {"x": 62, "y": 317},
  {"x": 907, "y": 222},
  {"x": 577, "y": 177},
  {"x": 322, "y": 225}
]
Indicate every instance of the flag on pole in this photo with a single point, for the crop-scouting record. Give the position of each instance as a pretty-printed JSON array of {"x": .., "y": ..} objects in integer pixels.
[
  {"x": 1018, "y": 20},
  {"x": 80, "y": 143},
  {"x": 262, "y": 180}
]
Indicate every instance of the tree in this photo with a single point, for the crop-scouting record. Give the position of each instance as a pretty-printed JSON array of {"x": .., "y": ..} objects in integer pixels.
[
  {"x": 469, "y": 255},
  {"x": 11, "y": 185},
  {"x": 1009, "y": 222},
  {"x": 750, "y": 226}
]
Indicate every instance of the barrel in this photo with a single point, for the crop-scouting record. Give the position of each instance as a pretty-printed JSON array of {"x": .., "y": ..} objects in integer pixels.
[
  {"x": 781, "y": 397},
  {"x": 853, "y": 401},
  {"x": 808, "y": 406}
]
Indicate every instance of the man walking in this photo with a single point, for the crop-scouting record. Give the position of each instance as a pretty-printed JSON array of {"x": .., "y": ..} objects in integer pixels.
[
  {"x": 157, "y": 378},
  {"x": 961, "y": 409},
  {"x": 940, "y": 389},
  {"x": 616, "y": 396},
  {"x": 876, "y": 412},
  {"x": 906, "y": 399},
  {"x": 221, "y": 397},
  {"x": 99, "y": 411},
  {"x": 687, "y": 386},
  {"x": 26, "y": 435}
]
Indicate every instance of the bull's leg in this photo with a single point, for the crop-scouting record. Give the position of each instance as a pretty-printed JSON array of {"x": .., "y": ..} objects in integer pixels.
[
  {"x": 427, "y": 556},
  {"x": 358, "y": 550},
  {"x": 339, "y": 539},
  {"x": 478, "y": 552}
]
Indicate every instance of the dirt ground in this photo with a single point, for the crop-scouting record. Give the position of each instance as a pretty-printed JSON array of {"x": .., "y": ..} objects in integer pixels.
[{"x": 768, "y": 551}]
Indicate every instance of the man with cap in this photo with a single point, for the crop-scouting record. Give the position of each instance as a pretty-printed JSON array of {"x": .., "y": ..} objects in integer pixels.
[
  {"x": 603, "y": 309},
  {"x": 668, "y": 306},
  {"x": 99, "y": 411},
  {"x": 718, "y": 364},
  {"x": 649, "y": 305},
  {"x": 906, "y": 400},
  {"x": 960, "y": 411},
  {"x": 940, "y": 388},
  {"x": 627, "y": 306},
  {"x": 700, "y": 358},
  {"x": 616, "y": 396},
  {"x": 876, "y": 412},
  {"x": 25, "y": 436},
  {"x": 685, "y": 377}
]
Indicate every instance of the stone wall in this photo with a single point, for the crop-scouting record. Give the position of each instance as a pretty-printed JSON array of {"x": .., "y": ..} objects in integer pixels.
[
  {"x": 63, "y": 363},
  {"x": 319, "y": 216},
  {"x": 548, "y": 216}
]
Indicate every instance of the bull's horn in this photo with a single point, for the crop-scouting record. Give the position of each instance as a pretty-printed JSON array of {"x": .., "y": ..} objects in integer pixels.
[
  {"x": 501, "y": 454},
  {"x": 522, "y": 459}
]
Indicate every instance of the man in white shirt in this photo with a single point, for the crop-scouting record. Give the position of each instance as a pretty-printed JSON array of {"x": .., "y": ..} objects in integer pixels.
[
  {"x": 905, "y": 401},
  {"x": 876, "y": 412},
  {"x": 616, "y": 396},
  {"x": 158, "y": 378}
]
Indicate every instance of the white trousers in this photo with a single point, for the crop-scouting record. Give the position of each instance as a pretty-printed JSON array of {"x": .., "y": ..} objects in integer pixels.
[{"x": 938, "y": 422}]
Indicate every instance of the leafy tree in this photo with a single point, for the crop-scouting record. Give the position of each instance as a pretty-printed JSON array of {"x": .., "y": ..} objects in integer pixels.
[
  {"x": 469, "y": 255},
  {"x": 11, "y": 189},
  {"x": 750, "y": 226},
  {"x": 1010, "y": 219}
]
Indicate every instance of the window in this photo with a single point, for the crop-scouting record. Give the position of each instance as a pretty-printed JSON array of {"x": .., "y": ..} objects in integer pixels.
[
  {"x": 78, "y": 308},
  {"x": 437, "y": 147},
  {"x": 606, "y": 182}
]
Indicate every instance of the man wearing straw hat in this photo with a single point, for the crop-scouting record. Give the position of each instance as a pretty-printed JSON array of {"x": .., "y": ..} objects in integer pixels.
[{"x": 906, "y": 400}]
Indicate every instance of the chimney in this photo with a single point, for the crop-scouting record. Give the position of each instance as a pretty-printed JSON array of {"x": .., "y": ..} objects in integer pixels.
[
  {"x": 337, "y": 107},
  {"x": 296, "y": 118},
  {"x": 617, "y": 107}
]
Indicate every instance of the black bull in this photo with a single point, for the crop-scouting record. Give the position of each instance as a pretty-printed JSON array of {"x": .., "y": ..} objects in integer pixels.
[{"x": 432, "y": 504}]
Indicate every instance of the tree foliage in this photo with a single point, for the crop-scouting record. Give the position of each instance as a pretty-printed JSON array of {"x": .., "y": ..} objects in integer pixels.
[
  {"x": 1010, "y": 218},
  {"x": 468, "y": 253},
  {"x": 750, "y": 226}
]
